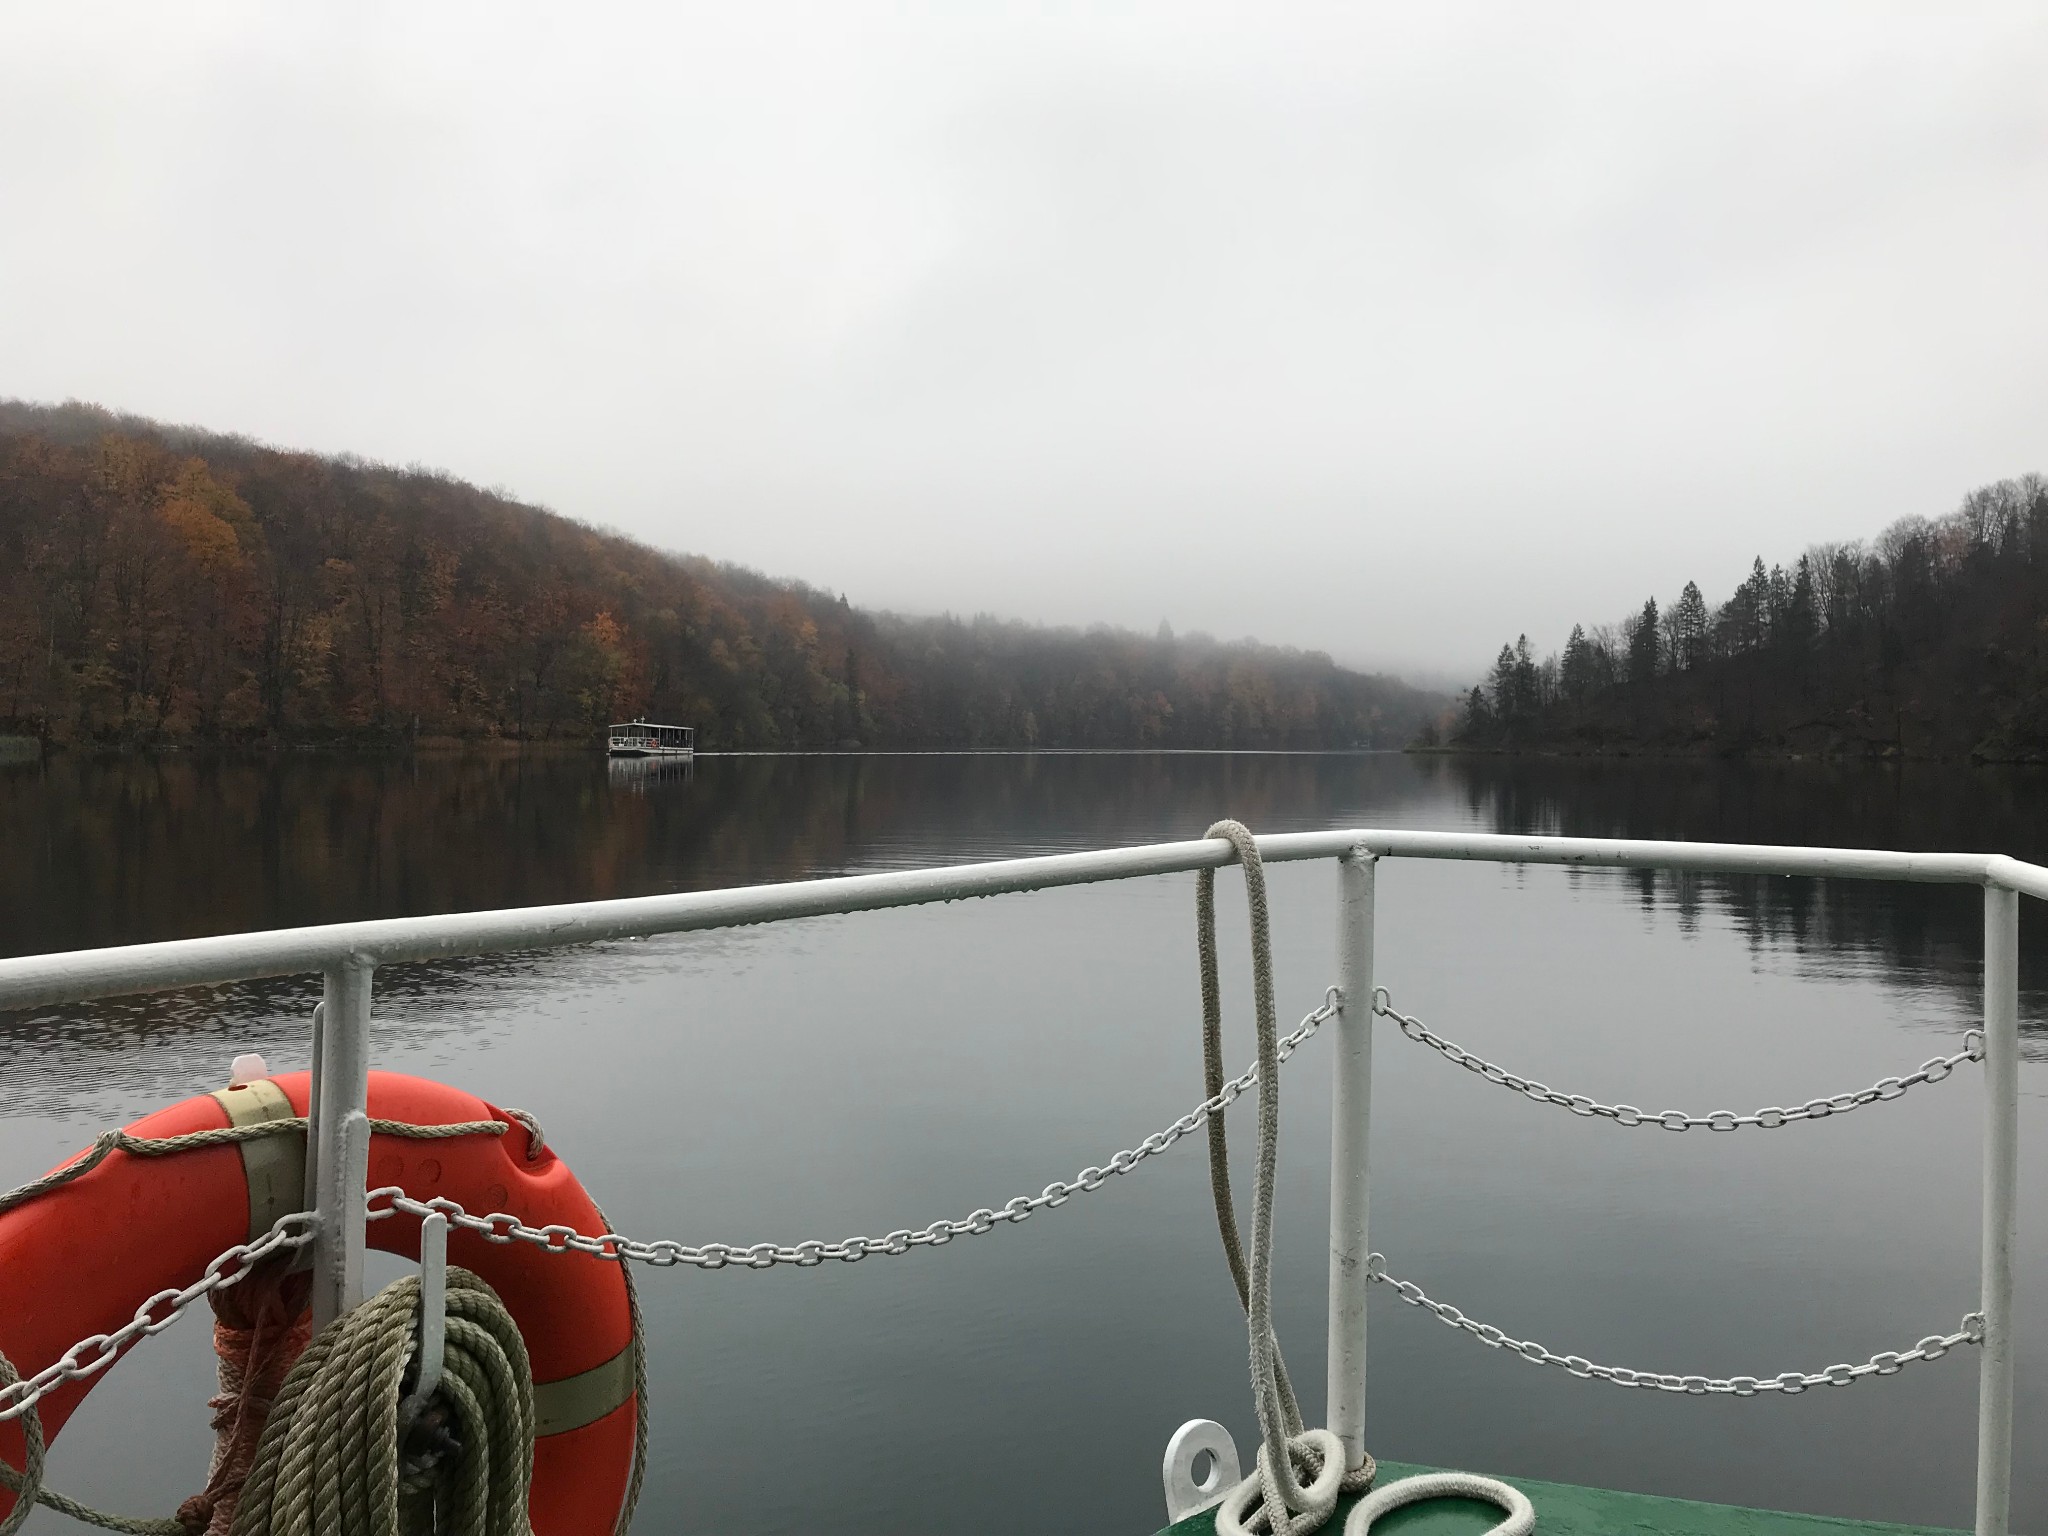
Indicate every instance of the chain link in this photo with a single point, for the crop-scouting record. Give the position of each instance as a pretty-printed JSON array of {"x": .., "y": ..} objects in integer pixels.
[
  {"x": 1888, "y": 1363},
  {"x": 499, "y": 1227},
  {"x": 1885, "y": 1089},
  {"x": 89, "y": 1356}
]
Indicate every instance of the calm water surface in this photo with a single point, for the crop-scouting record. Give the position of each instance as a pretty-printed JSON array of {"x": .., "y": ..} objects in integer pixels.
[{"x": 854, "y": 1075}]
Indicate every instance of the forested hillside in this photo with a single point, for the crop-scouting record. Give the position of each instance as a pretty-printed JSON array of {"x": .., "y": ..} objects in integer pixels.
[
  {"x": 159, "y": 584},
  {"x": 1930, "y": 641}
]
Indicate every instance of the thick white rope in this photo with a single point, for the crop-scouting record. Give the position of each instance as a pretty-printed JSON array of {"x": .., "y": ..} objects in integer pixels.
[
  {"x": 1301, "y": 1472},
  {"x": 1521, "y": 1518}
]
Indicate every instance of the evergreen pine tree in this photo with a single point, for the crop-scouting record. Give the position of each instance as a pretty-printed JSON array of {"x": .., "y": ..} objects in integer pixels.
[
  {"x": 1500, "y": 685},
  {"x": 1575, "y": 670},
  {"x": 1801, "y": 618},
  {"x": 1642, "y": 644},
  {"x": 1528, "y": 691},
  {"x": 1477, "y": 727},
  {"x": 1689, "y": 628}
]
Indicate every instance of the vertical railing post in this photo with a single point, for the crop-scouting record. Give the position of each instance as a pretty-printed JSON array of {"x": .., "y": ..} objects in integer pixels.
[
  {"x": 1350, "y": 1126},
  {"x": 341, "y": 1137},
  {"x": 2001, "y": 1178},
  {"x": 312, "y": 1197}
]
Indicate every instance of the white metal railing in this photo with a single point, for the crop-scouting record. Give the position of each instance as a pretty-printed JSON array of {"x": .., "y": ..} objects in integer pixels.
[{"x": 347, "y": 955}]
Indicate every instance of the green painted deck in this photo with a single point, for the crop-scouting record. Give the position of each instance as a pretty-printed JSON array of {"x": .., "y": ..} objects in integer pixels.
[{"x": 1562, "y": 1510}]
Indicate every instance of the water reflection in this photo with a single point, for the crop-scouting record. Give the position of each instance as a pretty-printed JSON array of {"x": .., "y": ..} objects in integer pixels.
[
  {"x": 642, "y": 774},
  {"x": 123, "y": 850},
  {"x": 131, "y": 849},
  {"x": 126, "y": 850},
  {"x": 1931, "y": 934}
]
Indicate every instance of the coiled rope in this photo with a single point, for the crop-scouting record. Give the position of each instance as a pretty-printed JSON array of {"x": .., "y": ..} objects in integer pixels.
[
  {"x": 334, "y": 1458},
  {"x": 1301, "y": 1472}
]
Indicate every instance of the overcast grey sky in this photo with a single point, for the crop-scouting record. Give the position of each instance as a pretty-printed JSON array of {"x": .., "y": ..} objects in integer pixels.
[{"x": 1388, "y": 330}]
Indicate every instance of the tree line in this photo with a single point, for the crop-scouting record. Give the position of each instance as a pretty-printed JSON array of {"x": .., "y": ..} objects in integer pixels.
[
  {"x": 1930, "y": 640},
  {"x": 164, "y": 585}
]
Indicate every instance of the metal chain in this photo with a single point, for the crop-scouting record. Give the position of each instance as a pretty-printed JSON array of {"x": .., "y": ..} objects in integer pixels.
[
  {"x": 502, "y": 1228},
  {"x": 1889, "y": 1363},
  {"x": 89, "y": 1356},
  {"x": 1885, "y": 1089}
]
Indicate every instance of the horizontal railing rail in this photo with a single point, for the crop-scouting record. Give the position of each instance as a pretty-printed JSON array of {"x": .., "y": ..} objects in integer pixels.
[{"x": 31, "y": 981}]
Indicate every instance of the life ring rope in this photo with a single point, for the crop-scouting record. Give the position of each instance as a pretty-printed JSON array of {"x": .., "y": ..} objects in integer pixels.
[{"x": 108, "y": 1142}]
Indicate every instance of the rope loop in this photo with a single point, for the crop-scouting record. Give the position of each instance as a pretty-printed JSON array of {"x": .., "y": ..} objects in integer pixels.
[
  {"x": 1301, "y": 1471},
  {"x": 1521, "y": 1515},
  {"x": 1305, "y": 1498}
]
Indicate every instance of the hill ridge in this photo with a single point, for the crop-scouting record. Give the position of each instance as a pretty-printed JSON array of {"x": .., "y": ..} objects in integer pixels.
[{"x": 163, "y": 583}]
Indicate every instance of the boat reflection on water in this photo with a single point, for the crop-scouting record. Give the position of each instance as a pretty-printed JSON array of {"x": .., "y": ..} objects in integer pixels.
[{"x": 641, "y": 774}]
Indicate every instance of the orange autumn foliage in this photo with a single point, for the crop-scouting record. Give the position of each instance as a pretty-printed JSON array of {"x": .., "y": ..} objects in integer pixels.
[{"x": 163, "y": 584}]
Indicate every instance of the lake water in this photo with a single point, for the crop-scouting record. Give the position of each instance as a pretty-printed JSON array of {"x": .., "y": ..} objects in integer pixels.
[{"x": 858, "y": 1074}]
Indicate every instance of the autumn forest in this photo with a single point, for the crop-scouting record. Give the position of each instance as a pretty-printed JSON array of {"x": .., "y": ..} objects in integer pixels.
[{"x": 162, "y": 585}]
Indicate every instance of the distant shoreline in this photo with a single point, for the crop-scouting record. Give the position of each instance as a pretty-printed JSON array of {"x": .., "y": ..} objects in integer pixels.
[
  {"x": 1724, "y": 755},
  {"x": 30, "y": 748}
]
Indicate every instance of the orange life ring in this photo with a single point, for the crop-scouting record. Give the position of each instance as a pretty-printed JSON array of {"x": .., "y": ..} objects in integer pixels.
[{"x": 81, "y": 1258}]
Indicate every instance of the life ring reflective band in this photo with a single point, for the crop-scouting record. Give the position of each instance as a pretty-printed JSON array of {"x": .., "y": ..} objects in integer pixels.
[{"x": 91, "y": 1251}]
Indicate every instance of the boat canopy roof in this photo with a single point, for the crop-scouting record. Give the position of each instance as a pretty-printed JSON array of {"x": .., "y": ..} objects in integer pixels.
[{"x": 648, "y": 725}]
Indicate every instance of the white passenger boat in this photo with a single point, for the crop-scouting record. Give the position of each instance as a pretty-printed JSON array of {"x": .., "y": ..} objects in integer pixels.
[{"x": 641, "y": 738}]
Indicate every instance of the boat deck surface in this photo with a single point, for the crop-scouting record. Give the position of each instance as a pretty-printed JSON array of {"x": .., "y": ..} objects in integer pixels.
[{"x": 1563, "y": 1510}]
